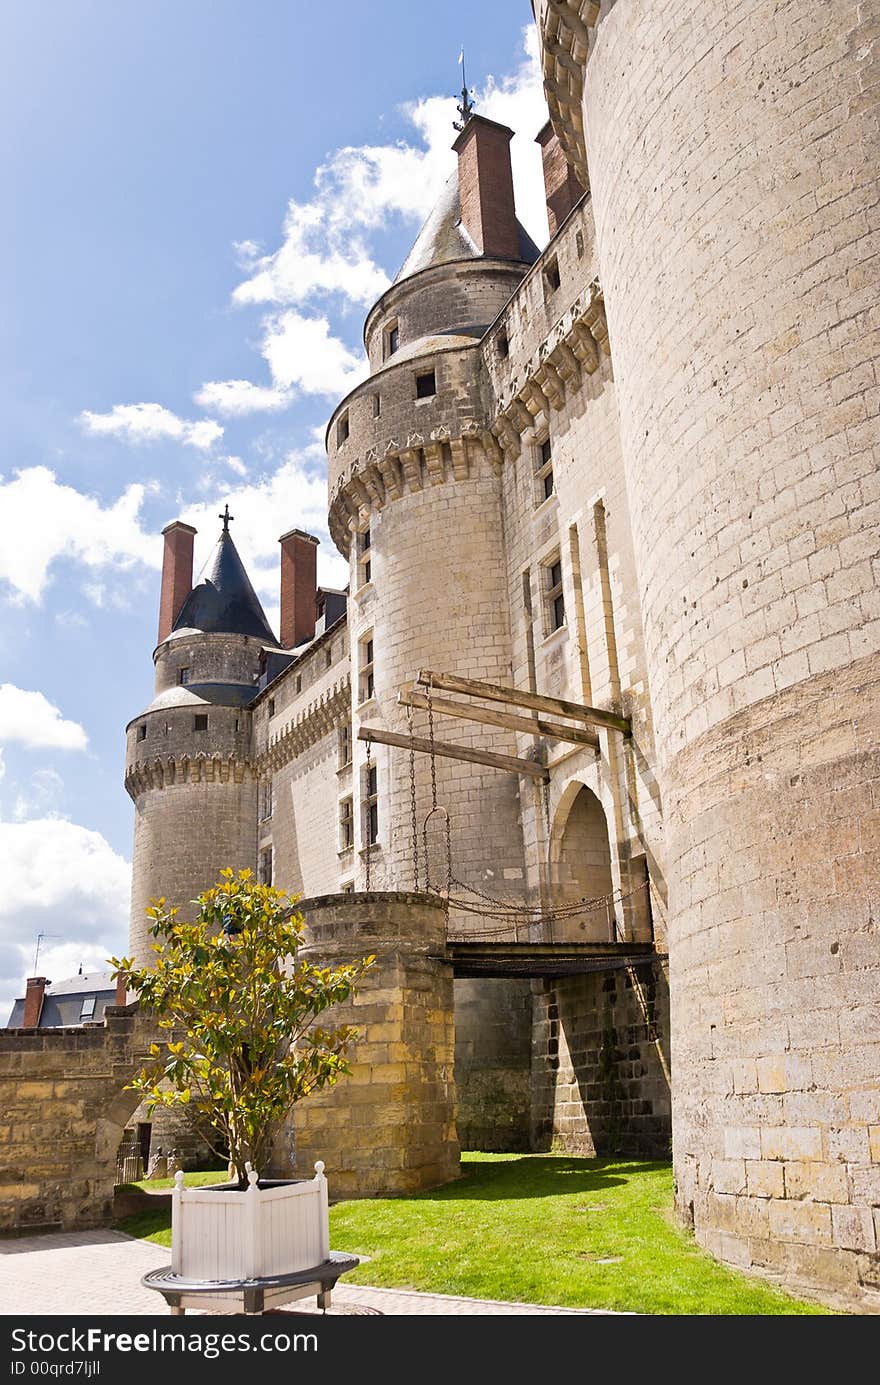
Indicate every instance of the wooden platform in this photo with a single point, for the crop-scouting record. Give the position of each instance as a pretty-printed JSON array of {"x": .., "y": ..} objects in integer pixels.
[{"x": 498, "y": 959}]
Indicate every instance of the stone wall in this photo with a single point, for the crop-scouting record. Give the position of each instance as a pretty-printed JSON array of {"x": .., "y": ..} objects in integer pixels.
[
  {"x": 492, "y": 1063},
  {"x": 390, "y": 1126},
  {"x": 62, "y": 1113},
  {"x": 732, "y": 154},
  {"x": 600, "y": 1048}
]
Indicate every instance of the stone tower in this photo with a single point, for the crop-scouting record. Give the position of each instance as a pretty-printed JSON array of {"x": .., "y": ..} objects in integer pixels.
[
  {"x": 731, "y": 150},
  {"x": 415, "y": 504},
  {"x": 189, "y": 764}
]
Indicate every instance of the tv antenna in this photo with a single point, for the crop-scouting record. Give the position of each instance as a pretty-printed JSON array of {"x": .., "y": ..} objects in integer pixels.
[{"x": 40, "y": 937}]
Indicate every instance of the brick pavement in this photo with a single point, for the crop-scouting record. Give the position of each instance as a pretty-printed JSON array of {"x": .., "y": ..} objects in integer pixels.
[{"x": 98, "y": 1272}]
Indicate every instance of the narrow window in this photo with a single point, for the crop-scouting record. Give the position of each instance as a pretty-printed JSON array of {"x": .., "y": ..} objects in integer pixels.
[
  {"x": 365, "y": 558},
  {"x": 142, "y": 733},
  {"x": 579, "y": 244},
  {"x": 235, "y": 724},
  {"x": 543, "y": 472},
  {"x": 555, "y": 597},
  {"x": 342, "y": 429},
  {"x": 371, "y": 805},
  {"x": 392, "y": 339},
  {"x": 344, "y": 745},
  {"x": 426, "y": 385},
  {"x": 503, "y": 345},
  {"x": 200, "y": 722},
  {"x": 183, "y": 675},
  {"x": 267, "y": 799},
  {"x": 88, "y": 1008},
  {"x": 299, "y": 682},
  {"x": 346, "y": 824},
  {"x": 328, "y": 656},
  {"x": 271, "y": 707},
  {"x": 264, "y": 866},
  {"x": 367, "y": 678},
  {"x": 377, "y": 405}
]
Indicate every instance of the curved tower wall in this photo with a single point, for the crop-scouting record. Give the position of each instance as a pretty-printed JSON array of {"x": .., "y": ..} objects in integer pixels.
[
  {"x": 732, "y": 155},
  {"x": 194, "y": 790}
]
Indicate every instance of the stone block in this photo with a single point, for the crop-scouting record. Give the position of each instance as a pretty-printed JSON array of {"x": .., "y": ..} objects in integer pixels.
[
  {"x": 816, "y": 1181},
  {"x": 765, "y": 1178},
  {"x": 853, "y": 1228},
  {"x": 807, "y": 1222}
]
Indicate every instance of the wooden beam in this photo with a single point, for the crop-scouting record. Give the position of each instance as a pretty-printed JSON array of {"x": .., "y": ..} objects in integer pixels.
[
  {"x": 494, "y": 692},
  {"x": 455, "y": 752},
  {"x": 468, "y": 711}
]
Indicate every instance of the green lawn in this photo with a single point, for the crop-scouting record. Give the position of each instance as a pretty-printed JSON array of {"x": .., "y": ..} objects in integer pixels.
[{"x": 539, "y": 1228}]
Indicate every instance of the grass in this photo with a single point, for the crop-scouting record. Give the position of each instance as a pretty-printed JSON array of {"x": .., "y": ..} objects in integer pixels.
[{"x": 539, "y": 1228}]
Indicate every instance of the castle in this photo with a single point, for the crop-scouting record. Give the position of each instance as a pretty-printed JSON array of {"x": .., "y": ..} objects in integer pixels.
[{"x": 611, "y": 512}]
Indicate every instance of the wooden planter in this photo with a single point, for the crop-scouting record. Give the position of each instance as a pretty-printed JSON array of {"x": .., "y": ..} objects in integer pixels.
[{"x": 224, "y": 1233}]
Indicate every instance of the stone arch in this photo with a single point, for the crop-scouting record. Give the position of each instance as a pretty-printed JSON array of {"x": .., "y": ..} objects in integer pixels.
[{"x": 580, "y": 864}]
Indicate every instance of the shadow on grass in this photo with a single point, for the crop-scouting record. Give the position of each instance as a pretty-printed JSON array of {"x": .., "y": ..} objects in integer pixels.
[{"x": 537, "y": 1176}]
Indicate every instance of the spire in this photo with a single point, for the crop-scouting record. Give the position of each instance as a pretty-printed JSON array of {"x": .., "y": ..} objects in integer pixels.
[{"x": 223, "y": 600}]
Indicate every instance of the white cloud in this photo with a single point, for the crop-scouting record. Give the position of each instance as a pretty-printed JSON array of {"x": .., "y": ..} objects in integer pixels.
[
  {"x": 65, "y": 881},
  {"x": 33, "y": 721},
  {"x": 41, "y": 797},
  {"x": 42, "y": 520},
  {"x": 140, "y": 423},
  {"x": 238, "y": 397},
  {"x": 301, "y": 352}
]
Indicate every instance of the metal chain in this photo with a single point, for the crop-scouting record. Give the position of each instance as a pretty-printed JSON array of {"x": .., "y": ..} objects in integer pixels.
[
  {"x": 366, "y": 819},
  {"x": 412, "y": 799}
]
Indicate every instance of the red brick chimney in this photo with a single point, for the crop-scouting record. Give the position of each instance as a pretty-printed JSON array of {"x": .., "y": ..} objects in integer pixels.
[
  {"x": 485, "y": 188},
  {"x": 299, "y": 584},
  {"x": 33, "y": 1001},
  {"x": 561, "y": 188},
  {"x": 121, "y": 996},
  {"x": 177, "y": 574}
]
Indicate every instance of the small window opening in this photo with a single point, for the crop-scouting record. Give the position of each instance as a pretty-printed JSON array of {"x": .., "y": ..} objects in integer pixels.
[
  {"x": 392, "y": 339},
  {"x": 503, "y": 345},
  {"x": 142, "y": 733},
  {"x": 426, "y": 385},
  {"x": 342, "y": 429},
  {"x": 299, "y": 682},
  {"x": 328, "y": 656},
  {"x": 367, "y": 672},
  {"x": 183, "y": 675},
  {"x": 271, "y": 707},
  {"x": 551, "y": 276},
  {"x": 265, "y": 866},
  {"x": 579, "y": 244},
  {"x": 544, "y": 471},
  {"x": 377, "y": 405},
  {"x": 344, "y": 745},
  {"x": 200, "y": 722},
  {"x": 365, "y": 558}
]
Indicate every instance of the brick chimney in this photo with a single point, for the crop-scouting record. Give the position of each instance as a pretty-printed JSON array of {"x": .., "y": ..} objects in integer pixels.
[
  {"x": 121, "y": 996},
  {"x": 33, "y": 1001},
  {"x": 299, "y": 585},
  {"x": 177, "y": 574},
  {"x": 561, "y": 188},
  {"x": 485, "y": 188}
]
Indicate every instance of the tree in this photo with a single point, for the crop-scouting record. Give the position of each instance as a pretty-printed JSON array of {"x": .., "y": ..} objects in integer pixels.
[{"x": 239, "y": 1007}]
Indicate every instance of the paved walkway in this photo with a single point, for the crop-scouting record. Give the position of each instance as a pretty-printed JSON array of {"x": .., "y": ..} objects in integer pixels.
[{"x": 87, "y": 1273}]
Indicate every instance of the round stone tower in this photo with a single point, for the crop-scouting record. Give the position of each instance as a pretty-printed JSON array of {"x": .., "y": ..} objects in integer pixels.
[
  {"x": 189, "y": 761},
  {"x": 731, "y": 150},
  {"x": 415, "y": 504}
]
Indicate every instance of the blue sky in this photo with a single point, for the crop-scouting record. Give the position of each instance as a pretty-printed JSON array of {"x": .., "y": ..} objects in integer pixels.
[{"x": 201, "y": 200}]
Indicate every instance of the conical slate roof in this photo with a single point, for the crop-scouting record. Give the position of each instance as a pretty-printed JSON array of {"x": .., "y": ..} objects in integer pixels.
[
  {"x": 223, "y": 600},
  {"x": 443, "y": 238}
]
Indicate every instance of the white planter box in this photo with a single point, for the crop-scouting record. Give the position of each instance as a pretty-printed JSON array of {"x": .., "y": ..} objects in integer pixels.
[{"x": 225, "y": 1234}]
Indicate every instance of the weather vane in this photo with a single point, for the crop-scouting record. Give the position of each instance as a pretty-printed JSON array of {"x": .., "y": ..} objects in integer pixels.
[
  {"x": 466, "y": 108},
  {"x": 227, "y": 518}
]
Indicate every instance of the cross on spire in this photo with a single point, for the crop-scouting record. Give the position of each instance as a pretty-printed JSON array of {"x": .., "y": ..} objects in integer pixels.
[{"x": 227, "y": 518}]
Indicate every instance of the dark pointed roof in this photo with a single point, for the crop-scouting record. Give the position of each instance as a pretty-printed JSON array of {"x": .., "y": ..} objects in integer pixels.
[
  {"x": 443, "y": 238},
  {"x": 223, "y": 600}
]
